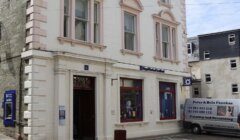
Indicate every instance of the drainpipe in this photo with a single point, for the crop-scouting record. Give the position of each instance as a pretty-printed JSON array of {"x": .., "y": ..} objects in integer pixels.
[{"x": 20, "y": 125}]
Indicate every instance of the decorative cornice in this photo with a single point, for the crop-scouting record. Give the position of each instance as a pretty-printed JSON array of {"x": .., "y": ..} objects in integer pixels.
[{"x": 124, "y": 4}]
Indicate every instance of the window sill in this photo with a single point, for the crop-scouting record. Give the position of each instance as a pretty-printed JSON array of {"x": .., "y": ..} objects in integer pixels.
[
  {"x": 233, "y": 68},
  {"x": 167, "y": 60},
  {"x": 125, "y": 51},
  {"x": 131, "y": 124},
  {"x": 235, "y": 92},
  {"x": 168, "y": 5},
  {"x": 166, "y": 121},
  {"x": 80, "y": 42},
  {"x": 209, "y": 82}
]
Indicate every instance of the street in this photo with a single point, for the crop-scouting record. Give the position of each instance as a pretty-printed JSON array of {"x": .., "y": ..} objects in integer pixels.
[{"x": 189, "y": 136}]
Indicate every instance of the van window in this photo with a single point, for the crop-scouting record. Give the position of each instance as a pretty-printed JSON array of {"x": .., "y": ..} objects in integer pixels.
[{"x": 238, "y": 119}]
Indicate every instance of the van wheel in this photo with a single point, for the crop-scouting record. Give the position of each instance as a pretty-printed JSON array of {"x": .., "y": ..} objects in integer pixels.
[{"x": 196, "y": 129}]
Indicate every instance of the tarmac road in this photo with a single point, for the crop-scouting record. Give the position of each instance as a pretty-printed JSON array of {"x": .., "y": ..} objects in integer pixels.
[{"x": 189, "y": 136}]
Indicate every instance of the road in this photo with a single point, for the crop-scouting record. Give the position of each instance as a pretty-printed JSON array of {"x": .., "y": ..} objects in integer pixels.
[{"x": 188, "y": 136}]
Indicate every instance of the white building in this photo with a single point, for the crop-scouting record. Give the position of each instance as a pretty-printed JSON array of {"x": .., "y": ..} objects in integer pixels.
[{"x": 96, "y": 66}]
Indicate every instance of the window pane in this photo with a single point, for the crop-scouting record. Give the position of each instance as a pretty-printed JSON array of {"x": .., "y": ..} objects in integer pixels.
[
  {"x": 129, "y": 41},
  {"x": 66, "y": 26},
  {"x": 165, "y": 33},
  {"x": 96, "y": 22},
  {"x": 165, "y": 49},
  {"x": 167, "y": 100},
  {"x": 80, "y": 30},
  {"x": 129, "y": 23},
  {"x": 66, "y": 7},
  {"x": 81, "y": 10},
  {"x": 131, "y": 100}
]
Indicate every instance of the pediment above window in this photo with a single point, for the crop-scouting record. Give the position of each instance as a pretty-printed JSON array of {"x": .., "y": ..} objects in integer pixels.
[
  {"x": 167, "y": 16},
  {"x": 132, "y": 4}
]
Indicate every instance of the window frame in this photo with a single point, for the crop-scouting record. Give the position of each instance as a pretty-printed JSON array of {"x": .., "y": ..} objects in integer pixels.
[
  {"x": 235, "y": 86},
  {"x": 232, "y": 63},
  {"x": 173, "y": 92},
  {"x": 89, "y": 41},
  {"x": 196, "y": 89},
  {"x": 206, "y": 53},
  {"x": 189, "y": 48},
  {"x": 125, "y": 7},
  {"x": 123, "y": 88},
  {"x": 165, "y": 17},
  {"x": 208, "y": 78},
  {"x": 231, "y": 36},
  {"x": 132, "y": 33}
]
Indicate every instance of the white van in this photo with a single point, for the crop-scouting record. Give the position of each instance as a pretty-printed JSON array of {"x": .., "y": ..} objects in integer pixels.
[{"x": 212, "y": 115}]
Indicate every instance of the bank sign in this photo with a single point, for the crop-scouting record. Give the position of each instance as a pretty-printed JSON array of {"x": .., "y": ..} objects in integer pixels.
[{"x": 211, "y": 110}]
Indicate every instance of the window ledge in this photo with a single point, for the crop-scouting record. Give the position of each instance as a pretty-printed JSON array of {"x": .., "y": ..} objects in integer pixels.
[
  {"x": 235, "y": 92},
  {"x": 165, "y": 121},
  {"x": 233, "y": 68},
  {"x": 209, "y": 82},
  {"x": 125, "y": 51},
  {"x": 79, "y": 42},
  {"x": 131, "y": 123},
  {"x": 167, "y": 60}
]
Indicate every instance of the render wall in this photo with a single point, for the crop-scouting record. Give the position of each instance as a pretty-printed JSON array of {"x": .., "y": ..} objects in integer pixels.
[
  {"x": 52, "y": 64},
  {"x": 222, "y": 78}
]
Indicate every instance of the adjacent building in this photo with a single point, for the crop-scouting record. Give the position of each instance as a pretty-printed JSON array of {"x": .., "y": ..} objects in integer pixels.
[
  {"x": 216, "y": 73},
  {"x": 12, "y": 41},
  {"x": 96, "y": 66}
]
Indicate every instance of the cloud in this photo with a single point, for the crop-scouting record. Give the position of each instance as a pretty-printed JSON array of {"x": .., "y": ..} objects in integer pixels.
[{"x": 214, "y": 16}]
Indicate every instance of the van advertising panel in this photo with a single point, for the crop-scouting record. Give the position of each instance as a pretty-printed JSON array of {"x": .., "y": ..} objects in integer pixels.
[{"x": 214, "y": 110}]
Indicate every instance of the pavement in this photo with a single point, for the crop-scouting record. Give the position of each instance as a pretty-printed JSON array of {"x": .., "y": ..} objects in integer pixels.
[
  {"x": 3, "y": 137},
  {"x": 189, "y": 136}
]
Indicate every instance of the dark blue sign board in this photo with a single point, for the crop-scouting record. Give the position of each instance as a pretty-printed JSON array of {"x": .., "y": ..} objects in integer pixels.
[
  {"x": 9, "y": 108},
  {"x": 144, "y": 68},
  {"x": 187, "y": 81}
]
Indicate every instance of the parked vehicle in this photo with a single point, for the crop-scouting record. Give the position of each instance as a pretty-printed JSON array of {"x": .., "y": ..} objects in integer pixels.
[{"x": 212, "y": 115}]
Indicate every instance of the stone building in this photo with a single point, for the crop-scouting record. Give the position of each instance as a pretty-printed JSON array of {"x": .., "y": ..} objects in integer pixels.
[
  {"x": 216, "y": 73},
  {"x": 96, "y": 66},
  {"x": 12, "y": 42}
]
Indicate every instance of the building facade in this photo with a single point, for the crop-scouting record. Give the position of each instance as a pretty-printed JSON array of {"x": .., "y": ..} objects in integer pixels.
[
  {"x": 96, "y": 66},
  {"x": 216, "y": 73}
]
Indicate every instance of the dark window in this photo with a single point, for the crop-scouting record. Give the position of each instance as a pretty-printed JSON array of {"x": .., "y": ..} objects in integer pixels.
[
  {"x": 196, "y": 91},
  {"x": 234, "y": 88},
  {"x": 233, "y": 64},
  {"x": 206, "y": 55},
  {"x": 208, "y": 78},
  {"x": 189, "y": 45},
  {"x": 167, "y": 101},
  {"x": 131, "y": 100},
  {"x": 231, "y": 39}
]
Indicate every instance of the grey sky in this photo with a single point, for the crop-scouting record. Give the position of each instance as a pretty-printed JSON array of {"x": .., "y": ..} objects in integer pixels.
[{"x": 207, "y": 16}]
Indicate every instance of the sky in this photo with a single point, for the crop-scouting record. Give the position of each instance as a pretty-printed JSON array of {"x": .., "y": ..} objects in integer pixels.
[{"x": 208, "y": 16}]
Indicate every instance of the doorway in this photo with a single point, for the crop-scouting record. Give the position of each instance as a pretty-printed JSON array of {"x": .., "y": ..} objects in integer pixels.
[{"x": 83, "y": 108}]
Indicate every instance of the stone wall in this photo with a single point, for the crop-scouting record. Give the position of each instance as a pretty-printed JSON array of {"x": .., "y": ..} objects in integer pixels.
[{"x": 12, "y": 18}]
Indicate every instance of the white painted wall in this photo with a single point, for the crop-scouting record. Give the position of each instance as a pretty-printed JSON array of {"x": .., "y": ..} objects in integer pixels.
[
  {"x": 222, "y": 77},
  {"x": 60, "y": 67}
]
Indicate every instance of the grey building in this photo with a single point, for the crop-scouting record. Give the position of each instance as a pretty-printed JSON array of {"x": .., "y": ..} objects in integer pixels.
[
  {"x": 12, "y": 41},
  {"x": 216, "y": 71}
]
